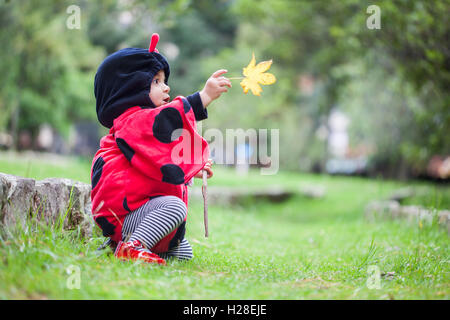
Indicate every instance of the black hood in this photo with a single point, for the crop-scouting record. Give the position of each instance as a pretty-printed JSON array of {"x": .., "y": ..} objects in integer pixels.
[{"x": 123, "y": 81}]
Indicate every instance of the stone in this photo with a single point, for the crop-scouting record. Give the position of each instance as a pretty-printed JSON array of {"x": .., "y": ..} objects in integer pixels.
[
  {"x": 314, "y": 192},
  {"x": 15, "y": 203},
  {"x": 50, "y": 200},
  {"x": 393, "y": 210},
  {"x": 231, "y": 196},
  {"x": 402, "y": 194}
]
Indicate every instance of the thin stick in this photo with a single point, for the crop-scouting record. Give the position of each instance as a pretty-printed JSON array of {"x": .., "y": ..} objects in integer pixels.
[
  {"x": 236, "y": 78},
  {"x": 205, "y": 202}
]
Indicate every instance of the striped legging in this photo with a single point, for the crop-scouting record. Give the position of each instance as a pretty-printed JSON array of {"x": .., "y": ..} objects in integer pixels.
[{"x": 153, "y": 221}]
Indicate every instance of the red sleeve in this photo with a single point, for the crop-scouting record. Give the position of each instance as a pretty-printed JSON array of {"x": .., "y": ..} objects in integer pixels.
[{"x": 163, "y": 143}]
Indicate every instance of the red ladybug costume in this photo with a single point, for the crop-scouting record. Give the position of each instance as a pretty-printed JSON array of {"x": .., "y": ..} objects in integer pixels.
[{"x": 149, "y": 151}]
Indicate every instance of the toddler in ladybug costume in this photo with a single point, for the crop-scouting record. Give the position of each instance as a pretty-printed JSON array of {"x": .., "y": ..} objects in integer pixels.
[{"x": 139, "y": 176}]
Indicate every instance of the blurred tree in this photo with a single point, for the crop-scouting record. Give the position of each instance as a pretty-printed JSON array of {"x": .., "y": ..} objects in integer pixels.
[
  {"x": 200, "y": 31},
  {"x": 296, "y": 34},
  {"x": 46, "y": 68},
  {"x": 324, "y": 56},
  {"x": 320, "y": 38},
  {"x": 197, "y": 29},
  {"x": 415, "y": 37}
]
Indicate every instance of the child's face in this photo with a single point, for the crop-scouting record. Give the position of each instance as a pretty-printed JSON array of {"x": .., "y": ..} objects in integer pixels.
[{"x": 159, "y": 91}]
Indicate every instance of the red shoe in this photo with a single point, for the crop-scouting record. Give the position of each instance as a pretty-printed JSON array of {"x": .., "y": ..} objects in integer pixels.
[{"x": 134, "y": 250}]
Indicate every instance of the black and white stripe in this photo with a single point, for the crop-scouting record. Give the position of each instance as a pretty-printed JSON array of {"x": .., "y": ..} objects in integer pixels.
[
  {"x": 182, "y": 251},
  {"x": 155, "y": 220}
]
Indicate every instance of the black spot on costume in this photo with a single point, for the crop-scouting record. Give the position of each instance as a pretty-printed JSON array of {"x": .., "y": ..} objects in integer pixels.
[
  {"x": 106, "y": 226},
  {"x": 97, "y": 171},
  {"x": 167, "y": 125},
  {"x": 127, "y": 151},
  {"x": 172, "y": 174}
]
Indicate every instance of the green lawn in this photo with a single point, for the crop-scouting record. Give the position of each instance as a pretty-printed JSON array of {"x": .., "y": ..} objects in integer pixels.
[{"x": 299, "y": 249}]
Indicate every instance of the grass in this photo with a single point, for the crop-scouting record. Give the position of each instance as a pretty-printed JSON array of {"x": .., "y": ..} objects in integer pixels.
[
  {"x": 300, "y": 249},
  {"x": 40, "y": 166}
]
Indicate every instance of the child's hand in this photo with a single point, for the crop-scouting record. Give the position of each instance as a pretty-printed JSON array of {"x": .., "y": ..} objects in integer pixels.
[
  {"x": 214, "y": 87},
  {"x": 208, "y": 169}
]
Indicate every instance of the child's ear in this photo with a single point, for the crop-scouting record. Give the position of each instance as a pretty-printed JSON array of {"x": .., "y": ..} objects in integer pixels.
[{"x": 153, "y": 43}]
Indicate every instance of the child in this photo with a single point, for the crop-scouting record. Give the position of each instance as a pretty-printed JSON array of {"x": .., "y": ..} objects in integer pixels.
[{"x": 139, "y": 192}]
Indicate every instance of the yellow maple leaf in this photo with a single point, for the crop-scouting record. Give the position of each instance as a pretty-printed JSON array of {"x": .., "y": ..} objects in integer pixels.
[{"x": 255, "y": 74}]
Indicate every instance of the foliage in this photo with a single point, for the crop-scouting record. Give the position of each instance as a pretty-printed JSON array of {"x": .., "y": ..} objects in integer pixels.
[
  {"x": 47, "y": 68},
  {"x": 401, "y": 70},
  {"x": 200, "y": 31},
  {"x": 322, "y": 39}
]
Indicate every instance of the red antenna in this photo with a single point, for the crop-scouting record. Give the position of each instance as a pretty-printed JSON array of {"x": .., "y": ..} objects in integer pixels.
[{"x": 153, "y": 43}]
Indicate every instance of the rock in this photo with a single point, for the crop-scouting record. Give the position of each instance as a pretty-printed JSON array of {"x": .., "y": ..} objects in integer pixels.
[
  {"x": 50, "y": 200},
  {"x": 231, "y": 196},
  {"x": 17, "y": 194},
  {"x": 314, "y": 192},
  {"x": 402, "y": 194},
  {"x": 376, "y": 209},
  {"x": 274, "y": 194},
  {"x": 393, "y": 210}
]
